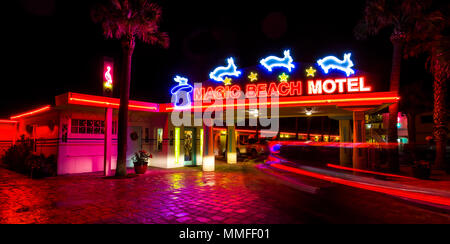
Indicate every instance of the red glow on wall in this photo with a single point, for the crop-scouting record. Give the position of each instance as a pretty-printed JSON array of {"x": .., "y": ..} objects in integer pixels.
[
  {"x": 2, "y": 121},
  {"x": 43, "y": 109}
]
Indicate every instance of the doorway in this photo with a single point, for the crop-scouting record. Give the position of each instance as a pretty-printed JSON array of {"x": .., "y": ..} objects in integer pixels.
[{"x": 189, "y": 147}]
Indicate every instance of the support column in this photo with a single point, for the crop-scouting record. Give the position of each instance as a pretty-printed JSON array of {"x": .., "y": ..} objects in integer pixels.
[
  {"x": 359, "y": 136},
  {"x": 108, "y": 142},
  {"x": 231, "y": 145},
  {"x": 296, "y": 128},
  {"x": 345, "y": 136},
  {"x": 209, "y": 159}
]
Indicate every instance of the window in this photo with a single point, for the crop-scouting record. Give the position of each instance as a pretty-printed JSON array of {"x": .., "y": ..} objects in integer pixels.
[
  {"x": 92, "y": 127},
  {"x": 159, "y": 139}
]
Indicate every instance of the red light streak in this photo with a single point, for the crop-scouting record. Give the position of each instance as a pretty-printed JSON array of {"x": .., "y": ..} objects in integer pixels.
[
  {"x": 274, "y": 133},
  {"x": 390, "y": 191},
  {"x": 368, "y": 172},
  {"x": 31, "y": 112}
]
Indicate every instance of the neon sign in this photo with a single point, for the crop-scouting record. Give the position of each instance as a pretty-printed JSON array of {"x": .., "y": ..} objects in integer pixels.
[
  {"x": 272, "y": 62},
  {"x": 284, "y": 89},
  {"x": 331, "y": 62},
  {"x": 220, "y": 73},
  {"x": 182, "y": 91}
]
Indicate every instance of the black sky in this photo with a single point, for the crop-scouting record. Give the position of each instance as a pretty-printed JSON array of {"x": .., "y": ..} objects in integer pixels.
[{"x": 52, "y": 46}]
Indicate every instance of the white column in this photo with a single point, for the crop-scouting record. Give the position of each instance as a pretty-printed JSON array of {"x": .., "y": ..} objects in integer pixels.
[
  {"x": 209, "y": 159},
  {"x": 108, "y": 141},
  {"x": 231, "y": 145}
]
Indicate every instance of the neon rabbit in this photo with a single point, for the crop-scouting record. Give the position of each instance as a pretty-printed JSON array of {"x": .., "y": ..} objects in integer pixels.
[
  {"x": 219, "y": 73},
  {"x": 332, "y": 62},
  {"x": 286, "y": 62}
]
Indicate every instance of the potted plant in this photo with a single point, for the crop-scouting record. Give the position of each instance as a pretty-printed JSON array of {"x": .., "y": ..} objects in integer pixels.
[
  {"x": 140, "y": 161},
  {"x": 422, "y": 169}
]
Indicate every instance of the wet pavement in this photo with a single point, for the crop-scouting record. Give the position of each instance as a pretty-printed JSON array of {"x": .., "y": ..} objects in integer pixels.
[{"x": 193, "y": 197}]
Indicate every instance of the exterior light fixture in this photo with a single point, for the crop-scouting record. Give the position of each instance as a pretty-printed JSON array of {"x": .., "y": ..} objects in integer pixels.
[
  {"x": 308, "y": 111},
  {"x": 254, "y": 112}
]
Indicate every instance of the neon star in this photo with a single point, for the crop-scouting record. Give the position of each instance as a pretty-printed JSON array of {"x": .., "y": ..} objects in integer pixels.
[
  {"x": 283, "y": 77},
  {"x": 311, "y": 72},
  {"x": 227, "y": 81},
  {"x": 253, "y": 77}
]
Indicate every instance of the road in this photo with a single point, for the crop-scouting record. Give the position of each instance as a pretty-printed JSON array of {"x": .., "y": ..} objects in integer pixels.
[{"x": 189, "y": 196}]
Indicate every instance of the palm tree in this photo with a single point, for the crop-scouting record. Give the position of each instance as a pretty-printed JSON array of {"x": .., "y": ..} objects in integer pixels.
[
  {"x": 399, "y": 16},
  {"x": 128, "y": 20},
  {"x": 415, "y": 100},
  {"x": 430, "y": 37}
]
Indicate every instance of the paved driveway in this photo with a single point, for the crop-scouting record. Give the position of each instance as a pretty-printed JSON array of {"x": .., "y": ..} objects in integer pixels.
[{"x": 191, "y": 196}]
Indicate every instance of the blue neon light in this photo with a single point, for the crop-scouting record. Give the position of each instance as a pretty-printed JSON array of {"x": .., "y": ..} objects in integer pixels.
[
  {"x": 331, "y": 62},
  {"x": 272, "y": 62},
  {"x": 182, "y": 90},
  {"x": 220, "y": 73}
]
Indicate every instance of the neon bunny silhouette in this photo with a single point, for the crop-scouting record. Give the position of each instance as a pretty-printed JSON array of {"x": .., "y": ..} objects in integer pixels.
[
  {"x": 108, "y": 77},
  {"x": 332, "y": 62},
  {"x": 182, "y": 90},
  {"x": 271, "y": 62},
  {"x": 219, "y": 73}
]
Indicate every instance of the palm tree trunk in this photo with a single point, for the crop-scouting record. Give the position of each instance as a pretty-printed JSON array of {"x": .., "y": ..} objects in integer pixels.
[
  {"x": 440, "y": 115},
  {"x": 397, "y": 41},
  {"x": 122, "y": 137}
]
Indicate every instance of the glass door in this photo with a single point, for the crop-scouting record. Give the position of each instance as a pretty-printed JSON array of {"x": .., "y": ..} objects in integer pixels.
[{"x": 189, "y": 147}]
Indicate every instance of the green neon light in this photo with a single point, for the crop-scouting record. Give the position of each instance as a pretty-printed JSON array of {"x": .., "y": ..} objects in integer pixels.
[{"x": 177, "y": 145}]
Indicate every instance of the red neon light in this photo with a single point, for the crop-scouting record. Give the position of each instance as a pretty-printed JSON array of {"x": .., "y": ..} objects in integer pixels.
[
  {"x": 8, "y": 121},
  {"x": 110, "y": 104},
  {"x": 304, "y": 101},
  {"x": 368, "y": 172},
  {"x": 393, "y": 192},
  {"x": 330, "y": 86},
  {"x": 32, "y": 112}
]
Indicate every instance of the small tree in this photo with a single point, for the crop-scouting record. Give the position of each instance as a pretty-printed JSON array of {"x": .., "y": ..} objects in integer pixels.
[
  {"x": 431, "y": 37},
  {"x": 128, "y": 20},
  {"x": 398, "y": 16}
]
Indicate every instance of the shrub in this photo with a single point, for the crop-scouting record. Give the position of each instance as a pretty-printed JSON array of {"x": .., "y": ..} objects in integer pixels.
[{"x": 20, "y": 158}]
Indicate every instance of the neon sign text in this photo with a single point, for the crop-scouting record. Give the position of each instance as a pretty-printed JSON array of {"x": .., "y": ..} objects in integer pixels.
[
  {"x": 285, "y": 89},
  {"x": 272, "y": 62},
  {"x": 220, "y": 73},
  {"x": 331, "y": 86},
  {"x": 332, "y": 62}
]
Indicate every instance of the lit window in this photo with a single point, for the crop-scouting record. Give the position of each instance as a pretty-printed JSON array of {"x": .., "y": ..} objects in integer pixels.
[{"x": 91, "y": 127}]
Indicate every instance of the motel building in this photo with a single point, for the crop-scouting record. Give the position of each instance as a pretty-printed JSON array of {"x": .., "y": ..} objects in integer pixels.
[{"x": 81, "y": 129}]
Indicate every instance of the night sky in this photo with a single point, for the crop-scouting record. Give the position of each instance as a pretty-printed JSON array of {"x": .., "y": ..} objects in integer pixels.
[{"x": 52, "y": 47}]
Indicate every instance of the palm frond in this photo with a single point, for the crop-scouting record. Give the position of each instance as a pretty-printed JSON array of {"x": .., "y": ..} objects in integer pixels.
[{"x": 126, "y": 19}]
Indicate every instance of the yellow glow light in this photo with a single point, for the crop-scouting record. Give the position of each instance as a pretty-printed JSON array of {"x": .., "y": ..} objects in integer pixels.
[
  {"x": 284, "y": 77},
  {"x": 311, "y": 72},
  {"x": 227, "y": 81},
  {"x": 253, "y": 77}
]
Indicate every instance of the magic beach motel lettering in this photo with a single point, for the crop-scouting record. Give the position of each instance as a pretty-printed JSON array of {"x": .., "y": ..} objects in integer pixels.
[{"x": 283, "y": 89}]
